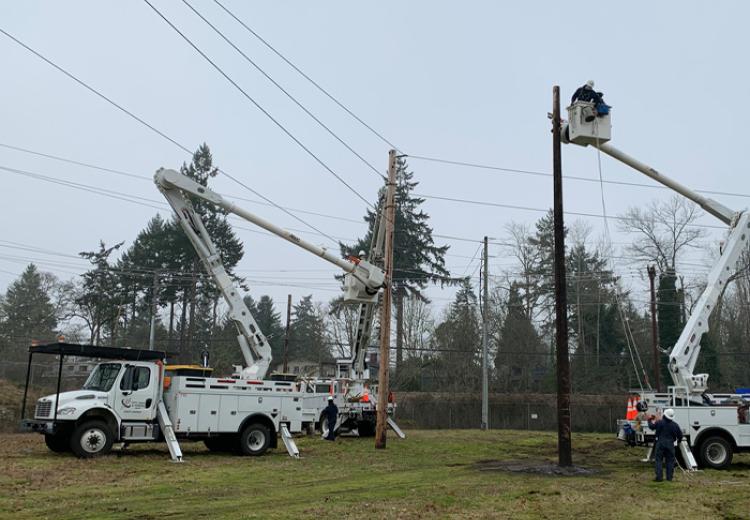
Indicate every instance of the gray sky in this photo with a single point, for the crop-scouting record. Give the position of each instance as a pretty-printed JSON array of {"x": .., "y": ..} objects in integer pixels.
[{"x": 468, "y": 82}]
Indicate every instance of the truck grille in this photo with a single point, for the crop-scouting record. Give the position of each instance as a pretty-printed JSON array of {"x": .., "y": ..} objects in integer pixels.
[{"x": 43, "y": 409}]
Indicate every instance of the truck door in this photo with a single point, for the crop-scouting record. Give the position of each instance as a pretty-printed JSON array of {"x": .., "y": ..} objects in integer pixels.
[{"x": 136, "y": 393}]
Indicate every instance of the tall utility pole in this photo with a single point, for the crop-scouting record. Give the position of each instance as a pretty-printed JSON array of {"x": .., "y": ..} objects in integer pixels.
[
  {"x": 286, "y": 335},
  {"x": 381, "y": 425},
  {"x": 654, "y": 330},
  {"x": 485, "y": 356},
  {"x": 154, "y": 309},
  {"x": 564, "y": 454}
]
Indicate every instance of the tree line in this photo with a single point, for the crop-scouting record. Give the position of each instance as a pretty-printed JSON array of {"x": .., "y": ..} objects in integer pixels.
[{"x": 113, "y": 302}]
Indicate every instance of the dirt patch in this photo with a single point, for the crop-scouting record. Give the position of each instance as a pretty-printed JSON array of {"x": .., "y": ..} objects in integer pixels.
[{"x": 533, "y": 468}]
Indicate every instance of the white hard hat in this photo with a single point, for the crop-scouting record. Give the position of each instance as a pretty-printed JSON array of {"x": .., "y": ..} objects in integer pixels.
[
  {"x": 330, "y": 398},
  {"x": 590, "y": 83},
  {"x": 669, "y": 413}
]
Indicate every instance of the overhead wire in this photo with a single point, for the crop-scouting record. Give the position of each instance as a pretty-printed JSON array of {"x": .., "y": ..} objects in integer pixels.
[
  {"x": 151, "y": 127},
  {"x": 286, "y": 92},
  {"x": 308, "y": 78},
  {"x": 258, "y": 105}
]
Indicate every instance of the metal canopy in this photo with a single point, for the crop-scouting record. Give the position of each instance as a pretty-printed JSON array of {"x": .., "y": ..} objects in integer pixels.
[{"x": 93, "y": 351}]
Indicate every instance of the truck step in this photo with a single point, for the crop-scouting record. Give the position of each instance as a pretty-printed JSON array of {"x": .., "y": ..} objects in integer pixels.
[
  {"x": 166, "y": 427},
  {"x": 396, "y": 429},
  {"x": 291, "y": 446}
]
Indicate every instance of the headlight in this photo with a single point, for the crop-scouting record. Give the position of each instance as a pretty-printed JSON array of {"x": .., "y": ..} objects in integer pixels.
[{"x": 66, "y": 411}]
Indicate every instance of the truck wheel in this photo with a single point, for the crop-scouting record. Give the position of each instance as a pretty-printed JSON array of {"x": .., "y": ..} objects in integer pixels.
[
  {"x": 365, "y": 428},
  {"x": 91, "y": 439},
  {"x": 716, "y": 453},
  {"x": 255, "y": 439},
  {"x": 58, "y": 443}
]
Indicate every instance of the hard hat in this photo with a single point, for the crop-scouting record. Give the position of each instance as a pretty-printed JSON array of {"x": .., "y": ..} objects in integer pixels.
[
  {"x": 590, "y": 83},
  {"x": 669, "y": 413},
  {"x": 330, "y": 398}
]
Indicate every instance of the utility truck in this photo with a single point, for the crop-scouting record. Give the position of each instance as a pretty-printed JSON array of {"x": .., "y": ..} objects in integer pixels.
[
  {"x": 133, "y": 398},
  {"x": 714, "y": 425}
]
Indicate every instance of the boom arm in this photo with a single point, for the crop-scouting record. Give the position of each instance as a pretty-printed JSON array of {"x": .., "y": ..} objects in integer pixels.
[
  {"x": 684, "y": 354},
  {"x": 362, "y": 281}
]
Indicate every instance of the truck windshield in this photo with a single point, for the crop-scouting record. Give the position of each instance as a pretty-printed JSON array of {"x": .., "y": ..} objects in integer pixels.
[{"x": 103, "y": 377}]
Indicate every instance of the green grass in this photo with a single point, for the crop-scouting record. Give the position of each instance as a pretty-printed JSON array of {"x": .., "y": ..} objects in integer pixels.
[{"x": 430, "y": 474}]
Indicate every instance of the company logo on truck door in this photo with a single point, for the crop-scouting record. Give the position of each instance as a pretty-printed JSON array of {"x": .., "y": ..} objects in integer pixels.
[{"x": 129, "y": 403}]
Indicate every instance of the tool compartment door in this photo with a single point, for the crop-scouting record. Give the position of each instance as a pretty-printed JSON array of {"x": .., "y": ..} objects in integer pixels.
[
  {"x": 208, "y": 413},
  {"x": 185, "y": 418}
]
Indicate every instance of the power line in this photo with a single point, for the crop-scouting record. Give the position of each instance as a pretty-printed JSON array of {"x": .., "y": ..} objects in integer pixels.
[
  {"x": 571, "y": 177},
  {"x": 257, "y": 105},
  {"x": 152, "y": 128},
  {"x": 308, "y": 78},
  {"x": 269, "y": 78},
  {"x": 542, "y": 210}
]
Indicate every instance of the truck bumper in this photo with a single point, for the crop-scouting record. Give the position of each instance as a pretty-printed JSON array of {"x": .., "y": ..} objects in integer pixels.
[{"x": 40, "y": 426}]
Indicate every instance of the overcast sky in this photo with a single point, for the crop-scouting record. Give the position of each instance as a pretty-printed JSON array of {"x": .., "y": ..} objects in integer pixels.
[{"x": 468, "y": 81}]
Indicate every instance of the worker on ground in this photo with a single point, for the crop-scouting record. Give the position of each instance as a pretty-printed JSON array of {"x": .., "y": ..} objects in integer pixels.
[
  {"x": 332, "y": 414},
  {"x": 668, "y": 432}
]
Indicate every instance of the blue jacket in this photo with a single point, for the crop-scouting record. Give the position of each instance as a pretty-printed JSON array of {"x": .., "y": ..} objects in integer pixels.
[
  {"x": 667, "y": 431},
  {"x": 332, "y": 412}
]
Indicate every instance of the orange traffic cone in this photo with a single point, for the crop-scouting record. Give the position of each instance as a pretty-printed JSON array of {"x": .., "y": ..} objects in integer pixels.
[{"x": 631, "y": 412}]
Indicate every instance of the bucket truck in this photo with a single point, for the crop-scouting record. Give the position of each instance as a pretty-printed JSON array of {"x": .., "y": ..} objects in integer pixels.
[
  {"x": 133, "y": 397},
  {"x": 714, "y": 425}
]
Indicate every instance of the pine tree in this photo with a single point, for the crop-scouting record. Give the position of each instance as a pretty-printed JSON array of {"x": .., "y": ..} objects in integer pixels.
[
  {"x": 669, "y": 317},
  {"x": 458, "y": 342},
  {"x": 27, "y": 314},
  {"x": 520, "y": 350},
  {"x": 269, "y": 322},
  {"x": 307, "y": 333},
  {"x": 417, "y": 260}
]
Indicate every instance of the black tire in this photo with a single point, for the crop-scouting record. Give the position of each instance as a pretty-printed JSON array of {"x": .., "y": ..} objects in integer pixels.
[
  {"x": 59, "y": 443},
  {"x": 366, "y": 428},
  {"x": 715, "y": 453},
  {"x": 255, "y": 439},
  {"x": 91, "y": 439}
]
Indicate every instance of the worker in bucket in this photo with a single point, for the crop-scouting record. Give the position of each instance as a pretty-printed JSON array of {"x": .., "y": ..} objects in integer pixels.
[
  {"x": 332, "y": 414},
  {"x": 668, "y": 432},
  {"x": 588, "y": 94}
]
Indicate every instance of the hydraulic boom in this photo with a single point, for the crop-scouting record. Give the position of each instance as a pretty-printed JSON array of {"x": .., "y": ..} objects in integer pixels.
[
  {"x": 362, "y": 282},
  {"x": 684, "y": 354}
]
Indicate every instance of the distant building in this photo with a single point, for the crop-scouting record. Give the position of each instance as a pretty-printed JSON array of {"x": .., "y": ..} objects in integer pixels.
[{"x": 307, "y": 368}]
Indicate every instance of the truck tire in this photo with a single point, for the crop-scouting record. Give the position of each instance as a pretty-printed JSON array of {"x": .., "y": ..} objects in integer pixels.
[
  {"x": 255, "y": 439},
  {"x": 59, "y": 443},
  {"x": 715, "y": 453},
  {"x": 366, "y": 429},
  {"x": 91, "y": 439}
]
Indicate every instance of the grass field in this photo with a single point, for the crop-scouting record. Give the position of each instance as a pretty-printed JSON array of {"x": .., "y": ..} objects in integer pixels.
[{"x": 430, "y": 474}]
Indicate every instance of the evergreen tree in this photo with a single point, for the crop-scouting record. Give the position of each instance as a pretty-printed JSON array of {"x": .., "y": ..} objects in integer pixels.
[
  {"x": 669, "y": 318},
  {"x": 270, "y": 324},
  {"x": 101, "y": 296},
  {"x": 417, "y": 260},
  {"x": 307, "y": 333},
  {"x": 458, "y": 342},
  {"x": 520, "y": 351},
  {"x": 27, "y": 314}
]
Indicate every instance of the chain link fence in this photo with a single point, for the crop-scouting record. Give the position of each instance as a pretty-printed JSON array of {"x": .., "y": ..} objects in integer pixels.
[{"x": 506, "y": 411}]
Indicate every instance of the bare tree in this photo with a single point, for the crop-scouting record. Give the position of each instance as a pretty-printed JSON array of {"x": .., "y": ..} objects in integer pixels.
[
  {"x": 666, "y": 229},
  {"x": 418, "y": 326}
]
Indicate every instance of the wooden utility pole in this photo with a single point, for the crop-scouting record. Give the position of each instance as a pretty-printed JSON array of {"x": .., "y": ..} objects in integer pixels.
[
  {"x": 485, "y": 339},
  {"x": 154, "y": 310},
  {"x": 654, "y": 327},
  {"x": 286, "y": 335},
  {"x": 564, "y": 454},
  {"x": 381, "y": 426}
]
